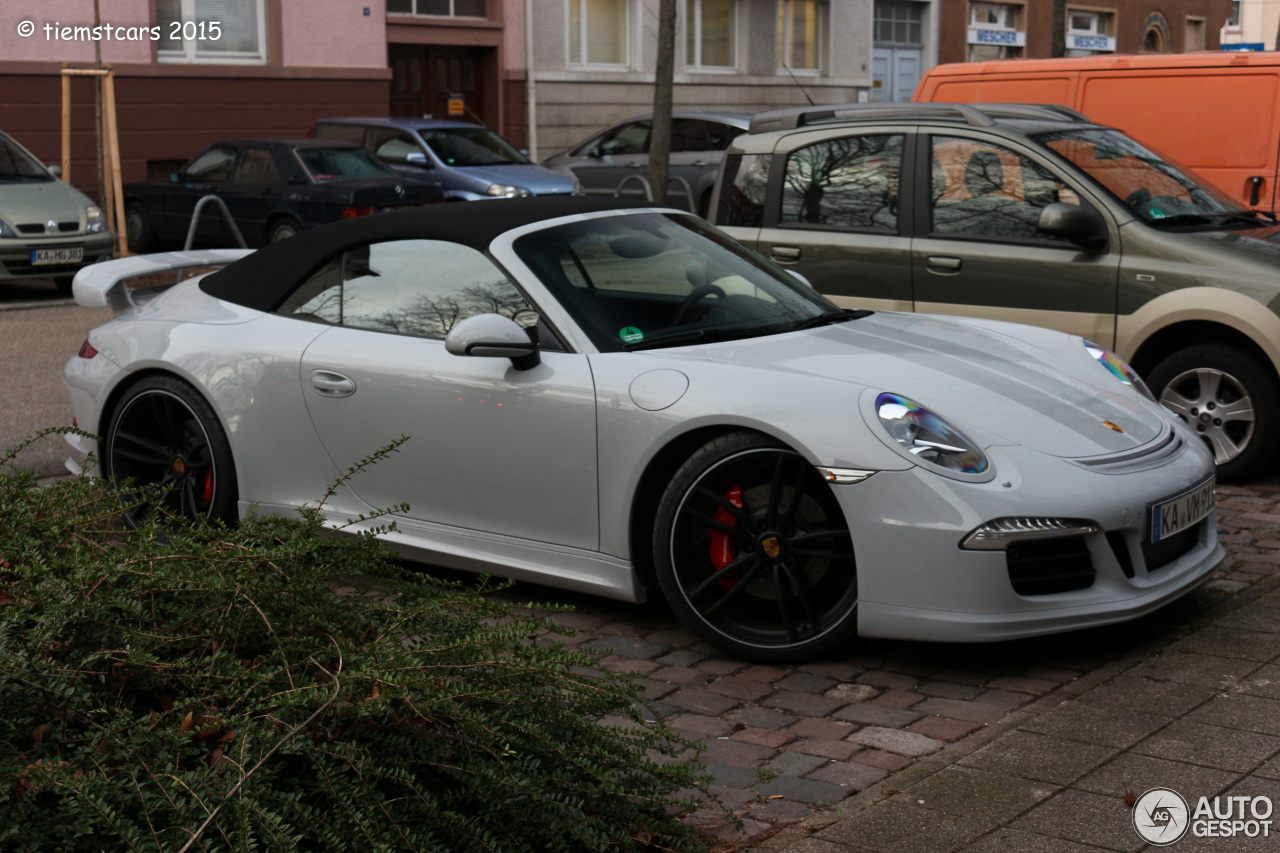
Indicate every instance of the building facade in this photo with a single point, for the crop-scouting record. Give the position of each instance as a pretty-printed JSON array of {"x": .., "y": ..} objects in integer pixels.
[
  {"x": 1251, "y": 25},
  {"x": 978, "y": 30}
]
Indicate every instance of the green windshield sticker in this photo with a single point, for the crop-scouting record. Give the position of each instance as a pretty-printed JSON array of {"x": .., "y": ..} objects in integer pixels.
[
  {"x": 631, "y": 335},
  {"x": 1156, "y": 213}
]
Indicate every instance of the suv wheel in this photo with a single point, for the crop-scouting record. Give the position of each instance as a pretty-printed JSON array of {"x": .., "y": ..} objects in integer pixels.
[{"x": 1229, "y": 398}]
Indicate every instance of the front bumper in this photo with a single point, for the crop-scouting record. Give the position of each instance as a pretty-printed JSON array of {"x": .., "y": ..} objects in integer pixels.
[
  {"x": 15, "y": 254},
  {"x": 916, "y": 582}
]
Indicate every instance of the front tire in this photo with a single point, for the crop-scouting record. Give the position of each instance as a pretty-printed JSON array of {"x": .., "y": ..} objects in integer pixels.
[
  {"x": 163, "y": 433},
  {"x": 753, "y": 552},
  {"x": 137, "y": 229},
  {"x": 1230, "y": 399}
]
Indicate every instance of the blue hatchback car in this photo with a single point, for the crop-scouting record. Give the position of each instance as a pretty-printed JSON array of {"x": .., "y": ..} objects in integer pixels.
[{"x": 468, "y": 161}]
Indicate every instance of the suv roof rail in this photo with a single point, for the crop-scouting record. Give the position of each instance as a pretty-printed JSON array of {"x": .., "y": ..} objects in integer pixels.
[{"x": 977, "y": 115}]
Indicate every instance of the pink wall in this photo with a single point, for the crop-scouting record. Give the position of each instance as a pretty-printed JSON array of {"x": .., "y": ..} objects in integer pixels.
[
  {"x": 335, "y": 33},
  {"x": 70, "y": 13},
  {"x": 513, "y": 33}
]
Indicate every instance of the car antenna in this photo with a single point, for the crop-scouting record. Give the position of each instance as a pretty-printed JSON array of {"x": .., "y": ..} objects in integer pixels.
[{"x": 798, "y": 86}]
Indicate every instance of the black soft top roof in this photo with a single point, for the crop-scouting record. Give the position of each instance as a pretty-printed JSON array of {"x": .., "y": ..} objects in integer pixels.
[{"x": 263, "y": 279}]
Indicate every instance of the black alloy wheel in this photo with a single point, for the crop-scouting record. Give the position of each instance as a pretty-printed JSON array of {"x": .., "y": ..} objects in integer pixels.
[
  {"x": 753, "y": 552},
  {"x": 137, "y": 229},
  {"x": 163, "y": 433}
]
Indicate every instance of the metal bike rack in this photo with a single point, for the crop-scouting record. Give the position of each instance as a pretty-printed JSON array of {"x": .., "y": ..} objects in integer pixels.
[
  {"x": 648, "y": 188},
  {"x": 226, "y": 216}
]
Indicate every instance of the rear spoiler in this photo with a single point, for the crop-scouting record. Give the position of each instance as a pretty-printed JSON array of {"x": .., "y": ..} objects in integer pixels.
[{"x": 103, "y": 284}]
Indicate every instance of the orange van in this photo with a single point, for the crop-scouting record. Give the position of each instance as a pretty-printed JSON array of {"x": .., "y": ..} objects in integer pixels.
[{"x": 1217, "y": 113}]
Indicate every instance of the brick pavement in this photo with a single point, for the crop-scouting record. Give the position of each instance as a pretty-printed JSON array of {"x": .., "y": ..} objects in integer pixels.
[{"x": 790, "y": 748}]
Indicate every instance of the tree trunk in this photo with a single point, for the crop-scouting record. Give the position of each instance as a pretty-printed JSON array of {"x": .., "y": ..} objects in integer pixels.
[{"x": 660, "y": 132}]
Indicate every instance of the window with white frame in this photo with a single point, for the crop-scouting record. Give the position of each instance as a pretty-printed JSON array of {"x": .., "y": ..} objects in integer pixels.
[
  {"x": 800, "y": 34},
  {"x": 1233, "y": 17},
  {"x": 599, "y": 32},
  {"x": 996, "y": 31},
  {"x": 212, "y": 31},
  {"x": 438, "y": 8},
  {"x": 1089, "y": 32},
  {"x": 711, "y": 33}
]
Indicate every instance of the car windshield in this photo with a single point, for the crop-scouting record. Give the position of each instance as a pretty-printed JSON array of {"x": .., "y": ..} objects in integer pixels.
[
  {"x": 17, "y": 165},
  {"x": 1152, "y": 186},
  {"x": 471, "y": 146},
  {"x": 336, "y": 164},
  {"x": 649, "y": 280}
]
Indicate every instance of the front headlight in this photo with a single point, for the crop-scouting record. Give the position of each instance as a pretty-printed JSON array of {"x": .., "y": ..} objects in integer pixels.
[
  {"x": 1119, "y": 368},
  {"x": 95, "y": 222},
  {"x": 928, "y": 438},
  {"x": 507, "y": 191},
  {"x": 5, "y": 230}
]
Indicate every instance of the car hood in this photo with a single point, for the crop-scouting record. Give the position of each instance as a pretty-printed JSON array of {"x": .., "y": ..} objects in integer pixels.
[
  {"x": 38, "y": 202},
  {"x": 1040, "y": 389},
  {"x": 533, "y": 178},
  {"x": 1262, "y": 244}
]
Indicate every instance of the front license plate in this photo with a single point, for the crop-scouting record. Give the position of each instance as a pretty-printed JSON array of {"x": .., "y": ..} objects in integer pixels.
[
  {"x": 57, "y": 256},
  {"x": 1177, "y": 514}
]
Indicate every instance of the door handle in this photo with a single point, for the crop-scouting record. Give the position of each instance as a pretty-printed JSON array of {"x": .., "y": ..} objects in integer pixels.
[
  {"x": 939, "y": 263},
  {"x": 1255, "y": 185},
  {"x": 330, "y": 384},
  {"x": 637, "y": 165},
  {"x": 784, "y": 254},
  {"x": 699, "y": 163}
]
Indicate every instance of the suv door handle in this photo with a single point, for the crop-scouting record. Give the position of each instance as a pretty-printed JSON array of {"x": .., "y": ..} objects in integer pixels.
[
  {"x": 637, "y": 165},
  {"x": 330, "y": 384},
  {"x": 699, "y": 163},
  {"x": 784, "y": 254},
  {"x": 939, "y": 263}
]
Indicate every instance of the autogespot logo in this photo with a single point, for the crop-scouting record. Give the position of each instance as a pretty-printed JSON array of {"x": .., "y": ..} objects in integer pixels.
[{"x": 1160, "y": 816}]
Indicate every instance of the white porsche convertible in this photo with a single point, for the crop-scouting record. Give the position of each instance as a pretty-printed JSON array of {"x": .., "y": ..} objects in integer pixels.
[{"x": 621, "y": 400}]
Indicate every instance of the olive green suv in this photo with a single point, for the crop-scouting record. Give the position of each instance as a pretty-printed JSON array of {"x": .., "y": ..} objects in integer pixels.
[
  {"x": 47, "y": 228},
  {"x": 1033, "y": 214}
]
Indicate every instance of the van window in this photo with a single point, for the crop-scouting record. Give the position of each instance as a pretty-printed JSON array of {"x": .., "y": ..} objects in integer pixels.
[{"x": 986, "y": 190}]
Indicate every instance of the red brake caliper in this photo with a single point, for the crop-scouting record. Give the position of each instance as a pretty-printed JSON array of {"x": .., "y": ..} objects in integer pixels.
[
  {"x": 206, "y": 495},
  {"x": 722, "y": 548}
]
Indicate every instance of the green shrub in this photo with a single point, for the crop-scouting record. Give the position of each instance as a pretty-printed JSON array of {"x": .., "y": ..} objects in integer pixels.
[{"x": 277, "y": 687}]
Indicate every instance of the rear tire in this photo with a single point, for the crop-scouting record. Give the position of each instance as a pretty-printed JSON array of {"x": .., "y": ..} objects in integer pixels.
[
  {"x": 1230, "y": 399},
  {"x": 753, "y": 553},
  {"x": 283, "y": 229},
  {"x": 137, "y": 229}
]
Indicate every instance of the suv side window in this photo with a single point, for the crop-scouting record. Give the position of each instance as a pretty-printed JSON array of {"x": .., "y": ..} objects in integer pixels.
[
  {"x": 631, "y": 138},
  {"x": 344, "y": 132},
  {"x": 849, "y": 182},
  {"x": 381, "y": 287},
  {"x": 394, "y": 146},
  {"x": 985, "y": 190}
]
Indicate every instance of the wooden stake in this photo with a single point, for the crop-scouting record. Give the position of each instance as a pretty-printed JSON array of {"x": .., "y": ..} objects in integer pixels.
[
  {"x": 114, "y": 189},
  {"x": 66, "y": 128}
]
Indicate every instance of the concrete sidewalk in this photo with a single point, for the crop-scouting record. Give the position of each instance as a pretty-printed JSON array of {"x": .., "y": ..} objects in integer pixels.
[{"x": 1199, "y": 715}]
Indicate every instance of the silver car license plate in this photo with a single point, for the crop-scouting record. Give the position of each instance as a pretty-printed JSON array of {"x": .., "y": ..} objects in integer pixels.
[
  {"x": 57, "y": 256},
  {"x": 1178, "y": 513}
]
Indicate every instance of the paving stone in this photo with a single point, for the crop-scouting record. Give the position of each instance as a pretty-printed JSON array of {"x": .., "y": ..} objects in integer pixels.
[
  {"x": 803, "y": 682},
  {"x": 921, "y": 666},
  {"x": 895, "y": 680},
  {"x": 681, "y": 658},
  {"x": 974, "y": 711},
  {"x": 1190, "y": 668},
  {"x": 765, "y": 674},
  {"x": 963, "y": 676},
  {"x": 577, "y": 620},
  {"x": 960, "y": 790},
  {"x": 1091, "y": 724},
  {"x": 676, "y": 638},
  {"x": 880, "y": 758},
  {"x": 763, "y": 718},
  {"x": 740, "y": 688},
  {"x": 804, "y": 790},
  {"x": 835, "y": 670},
  {"x": 1020, "y": 684},
  {"x": 619, "y": 630},
  {"x": 699, "y": 725},
  {"x": 1038, "y": 757},
  {"x": 901, "y": 825},
  {"x": 1138, "y": 773},
  {"x": 1084, "y": 818},
  {"x": 855, "y": 777},
  {"x": 943, "y": 728},
  {"x": 714, "y": 823},
  {"x": 897, "y": 699},
  {"x": 651, "y": 690},
  {"x": 781, "y": 810},
  {"x": 720, "y": 667},
  {"x": 1262, "y": 682},
  {"x": 631, "y": 647},
  {"x": 730, "y": 776},
  {"x": 949, "y": 690},
  {"x": 700, "y": 701},
  {"x": 912, "y": 744},
  {"x": 814, "y": 845},
  {"x": 1006, "y": 840},
  {"x": 1134, "y": 693},
  {"x": 1210, "y": 746},
  {"x": 793, "y": 764},
  {"x": 1049, "y": 673},
  {"x": 735, "y": 753},
  {"x": 823, "y": 728},
  {"x": 852, "y": 692},
  {"x": 1270, "y": 770},
  {"x": 1231, "y": 642},
  {"x": 867, "y": 714},
  {"x": 805, "y": 704},
  {"x": 681, "y": 675},
  {"x": 1250, "y": 713},
  {"x": 835, "y": 749},
  {"x": 764, "y": 737},
  {"x": 1007, "y": 699}
]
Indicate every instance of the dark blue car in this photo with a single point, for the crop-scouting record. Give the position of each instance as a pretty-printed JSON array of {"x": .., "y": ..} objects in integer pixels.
[
  {"x": 273, "y": 188},
  {"x": 469, "y": 161}
]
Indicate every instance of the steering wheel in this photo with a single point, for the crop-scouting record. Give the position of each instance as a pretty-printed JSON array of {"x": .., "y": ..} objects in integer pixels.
[
  {"x": 1141, "y": 195},
  {"x": 695, "y": 296}
]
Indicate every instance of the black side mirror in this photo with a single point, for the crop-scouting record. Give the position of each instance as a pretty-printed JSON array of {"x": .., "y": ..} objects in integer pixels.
[{"x": 1078, "y": 224}]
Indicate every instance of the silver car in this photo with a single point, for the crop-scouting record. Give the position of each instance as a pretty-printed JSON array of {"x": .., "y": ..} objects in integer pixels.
[{"x": 623, "y": 401}]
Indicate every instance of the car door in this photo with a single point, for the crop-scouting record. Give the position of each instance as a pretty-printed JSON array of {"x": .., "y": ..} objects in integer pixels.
[
  {"x": 253, "y": 191},
  {"x": 205, "y": 175},
  {"x": 836, "y": 214},
  {"x": 403, "y": 152},
  {"x": 977, "y": 251},
  {"x": 616, "y": 154},
  {"x": 697, "y": 146},
  {"x": 491, "y": 449}
]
